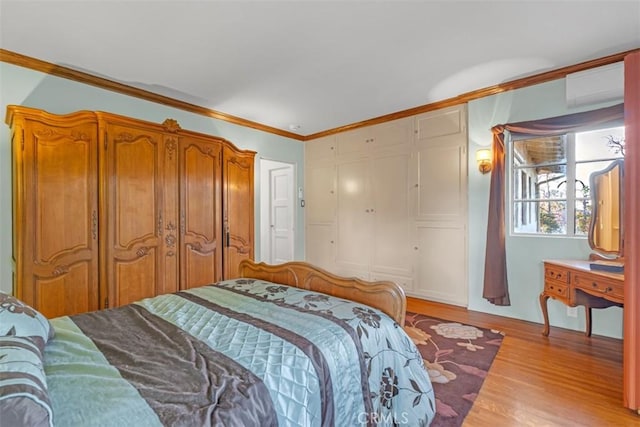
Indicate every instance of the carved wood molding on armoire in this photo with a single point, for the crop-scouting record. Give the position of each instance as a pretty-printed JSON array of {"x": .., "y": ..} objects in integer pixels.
[{"x": 109, "y": 209}]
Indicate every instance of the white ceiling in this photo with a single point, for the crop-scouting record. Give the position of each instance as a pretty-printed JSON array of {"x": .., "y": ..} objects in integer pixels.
[{"x": 317, "y": 64}]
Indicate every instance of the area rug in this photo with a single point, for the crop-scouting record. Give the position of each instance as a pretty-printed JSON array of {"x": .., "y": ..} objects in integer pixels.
[{"x": 458, "y": 358}]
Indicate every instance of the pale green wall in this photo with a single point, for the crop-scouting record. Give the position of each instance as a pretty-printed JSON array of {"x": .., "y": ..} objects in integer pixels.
[
  {"x": 38, "y": 90},
  {"x": 524, "y": 254}
]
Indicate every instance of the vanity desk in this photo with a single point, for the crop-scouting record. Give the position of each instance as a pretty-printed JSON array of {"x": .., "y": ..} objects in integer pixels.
[
  {"x": 574, "y": 283},
  {"x": 599, "y": 281}
]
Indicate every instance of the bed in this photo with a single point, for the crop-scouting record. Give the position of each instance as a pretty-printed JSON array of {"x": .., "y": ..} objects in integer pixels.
[{"x": 288, "y": 345}]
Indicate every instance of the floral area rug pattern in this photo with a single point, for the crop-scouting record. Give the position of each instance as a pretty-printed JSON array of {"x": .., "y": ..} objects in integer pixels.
[{"x": 458, "y": 358}]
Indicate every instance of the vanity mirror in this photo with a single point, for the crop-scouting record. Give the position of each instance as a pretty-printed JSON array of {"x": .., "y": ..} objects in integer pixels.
[{"x": 607, "y": 198}]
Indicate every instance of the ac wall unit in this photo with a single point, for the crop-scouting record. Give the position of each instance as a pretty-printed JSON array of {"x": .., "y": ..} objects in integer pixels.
[{"x": 596, "y": 85}]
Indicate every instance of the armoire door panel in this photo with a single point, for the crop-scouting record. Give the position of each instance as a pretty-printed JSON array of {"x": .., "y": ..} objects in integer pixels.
[
  {"x": 57, "y": 180},
  {"x": 137, "y": 180},
  {"x": 134, "y": 167},
  {"x": 391, "y": 251},
  {"x": 67, "y": 291},
  {"x": 200, "y": 212},
  {"x": 65, "y": 174},
  {"x": 136, "y": 277},
  {"x": 202, "y": 270},
  {"x": 238, "y": 205},
  {"x": 201, "y": 187}
]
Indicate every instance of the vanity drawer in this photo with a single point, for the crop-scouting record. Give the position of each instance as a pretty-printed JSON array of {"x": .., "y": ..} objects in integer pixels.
[
  {"x": 556, "y": 289},
  {"x": 552, "y": 272},
  {"x": 609, "y": 289}
]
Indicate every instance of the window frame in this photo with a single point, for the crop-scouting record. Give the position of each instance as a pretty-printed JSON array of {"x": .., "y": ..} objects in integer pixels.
[{"x": 570, "y": 199}]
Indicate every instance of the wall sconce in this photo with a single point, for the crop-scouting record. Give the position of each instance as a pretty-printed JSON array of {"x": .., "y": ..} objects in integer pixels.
[{"x": 483, "y": 157}]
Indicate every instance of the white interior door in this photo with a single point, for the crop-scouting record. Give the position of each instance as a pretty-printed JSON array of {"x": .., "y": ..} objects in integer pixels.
[
  {"x": 281, "y": 200},
  {"x": 269, "y": 177}
]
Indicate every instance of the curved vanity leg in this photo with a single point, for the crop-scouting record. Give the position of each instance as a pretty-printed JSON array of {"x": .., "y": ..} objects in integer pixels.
[
  {"x": 587, "y": 311},
  {"x": 543, "y": 305}
]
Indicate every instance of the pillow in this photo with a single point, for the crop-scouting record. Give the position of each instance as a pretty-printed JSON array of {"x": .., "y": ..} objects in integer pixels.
[
  {"x": 17, "y": 318},
  {"x": 24, "y": 398}
]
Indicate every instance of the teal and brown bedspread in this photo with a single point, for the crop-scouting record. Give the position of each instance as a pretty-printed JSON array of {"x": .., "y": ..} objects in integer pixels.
[{"x": 242, "y": 352}]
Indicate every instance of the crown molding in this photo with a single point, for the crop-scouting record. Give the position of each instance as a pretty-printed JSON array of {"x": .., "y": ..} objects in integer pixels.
[
  {"x": 82, "y": 77},
  {"x": 481, "y": 93}
]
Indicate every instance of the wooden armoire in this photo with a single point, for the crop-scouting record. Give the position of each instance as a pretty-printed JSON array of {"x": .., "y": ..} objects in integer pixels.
[{"x": 109, "y": 209}]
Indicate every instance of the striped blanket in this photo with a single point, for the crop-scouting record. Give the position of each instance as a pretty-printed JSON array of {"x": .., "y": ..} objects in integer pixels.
[{"x": 242, "y": 352}]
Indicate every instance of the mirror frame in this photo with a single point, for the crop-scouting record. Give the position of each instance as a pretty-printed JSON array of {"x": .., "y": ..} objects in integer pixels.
[{"x": 599, "y": 252}]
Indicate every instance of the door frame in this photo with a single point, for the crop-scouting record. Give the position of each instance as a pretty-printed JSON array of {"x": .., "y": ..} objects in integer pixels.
[{"x": 266, "y": 166}]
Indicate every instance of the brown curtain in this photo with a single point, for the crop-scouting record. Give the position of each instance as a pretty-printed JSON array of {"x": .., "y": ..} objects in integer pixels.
[{"x": 496, "y": 286}]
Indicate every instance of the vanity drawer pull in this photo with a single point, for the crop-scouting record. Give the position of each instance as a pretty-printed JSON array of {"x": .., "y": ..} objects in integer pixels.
[
  {"x": 557, "y": 274},
  {"x": 556, "y": 289}
]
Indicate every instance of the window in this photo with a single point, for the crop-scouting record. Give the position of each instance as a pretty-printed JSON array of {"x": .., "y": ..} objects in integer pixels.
[{"x": 550, "y": 192}]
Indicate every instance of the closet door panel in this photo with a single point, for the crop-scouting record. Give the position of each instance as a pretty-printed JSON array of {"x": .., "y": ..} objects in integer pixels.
[
  {"x": 354, "y": 220},
  {"x": 200, "y": 212},
  {"x": 320, "y": 247},
  {"x": 440, "y": 263},
  {"x": 393, "y": 135},
  {"x": 321, "y": 194},
  {"x": 442, "y": 185},
  {"x": 59, "y": 269},
  {"x": 355, "y": 141},
  {"x": 391, "y": 245},
  {"x": 321, "y": 149},
  {"x": 134, "y": 187},
  {"x": 440, "y": 202}
]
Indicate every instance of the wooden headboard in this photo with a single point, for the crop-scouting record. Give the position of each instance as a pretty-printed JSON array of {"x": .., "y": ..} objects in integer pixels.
[{"x": 386, "y": 296}]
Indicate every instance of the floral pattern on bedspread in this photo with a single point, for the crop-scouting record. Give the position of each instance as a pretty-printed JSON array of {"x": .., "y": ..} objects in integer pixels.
[{"x": 398, "y": 384}]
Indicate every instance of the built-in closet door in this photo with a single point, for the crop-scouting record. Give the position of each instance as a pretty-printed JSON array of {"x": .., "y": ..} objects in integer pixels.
[
  {"x": 201, "y": 234},
  {"x": 55, "y": 178},
  {"x": 320, "y": 181},
  {"x": 354, "y": 223},
  {"x": 391, "y": 250},
  {"x": 440, "y": 200},
  {"x": 320, "y": 196},
  {"x": 132, "y": 212},
  {"x": 238, "y": 220}
]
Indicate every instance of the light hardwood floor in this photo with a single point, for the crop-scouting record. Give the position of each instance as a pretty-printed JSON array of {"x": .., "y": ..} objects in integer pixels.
[{"x": 565, "y": 379}]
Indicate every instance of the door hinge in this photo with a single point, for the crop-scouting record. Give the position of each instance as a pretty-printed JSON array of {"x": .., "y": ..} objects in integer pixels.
[
  {"x": 106, "y": 136},
  {"x": 106, "y": 303},
  {"x": 22, "y": 141}
]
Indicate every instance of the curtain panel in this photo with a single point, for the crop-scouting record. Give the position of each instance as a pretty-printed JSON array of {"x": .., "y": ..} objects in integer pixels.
[{"x": 496, "y": 285}]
